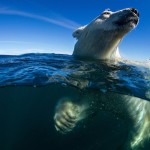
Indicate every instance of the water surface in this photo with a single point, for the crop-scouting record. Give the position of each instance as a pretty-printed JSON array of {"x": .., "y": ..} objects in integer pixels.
[{"x": 32, "y": 84}]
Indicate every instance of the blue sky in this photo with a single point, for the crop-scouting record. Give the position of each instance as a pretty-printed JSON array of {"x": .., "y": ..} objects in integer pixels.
[{"x": 46, "y": 25}]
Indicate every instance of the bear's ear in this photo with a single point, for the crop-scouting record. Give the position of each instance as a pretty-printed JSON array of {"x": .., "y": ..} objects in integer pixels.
[{"x": 77, "y": 33}]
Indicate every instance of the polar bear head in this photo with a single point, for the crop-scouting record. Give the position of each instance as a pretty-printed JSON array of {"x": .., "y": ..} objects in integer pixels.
[{"x": 100, "y": 38}]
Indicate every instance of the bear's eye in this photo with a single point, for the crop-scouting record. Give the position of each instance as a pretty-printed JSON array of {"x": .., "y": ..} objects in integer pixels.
[{"x": 106, "y": 13}]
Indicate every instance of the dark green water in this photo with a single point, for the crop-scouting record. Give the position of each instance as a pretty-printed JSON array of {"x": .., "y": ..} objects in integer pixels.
[{"x": 27, "y": 122}]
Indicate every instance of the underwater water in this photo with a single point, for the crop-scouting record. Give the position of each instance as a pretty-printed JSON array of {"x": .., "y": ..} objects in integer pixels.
[{"x": 31, "y": 86}]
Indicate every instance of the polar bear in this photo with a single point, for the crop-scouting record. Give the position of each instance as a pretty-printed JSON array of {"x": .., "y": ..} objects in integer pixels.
[{"x": 99, "y": 40}]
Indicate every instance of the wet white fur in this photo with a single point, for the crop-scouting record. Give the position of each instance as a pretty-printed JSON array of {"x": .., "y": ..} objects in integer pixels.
[{"x": 101, "y": 37}]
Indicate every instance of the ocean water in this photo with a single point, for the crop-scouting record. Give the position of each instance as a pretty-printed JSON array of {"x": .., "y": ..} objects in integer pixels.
[{"x": 31, "y": 86}]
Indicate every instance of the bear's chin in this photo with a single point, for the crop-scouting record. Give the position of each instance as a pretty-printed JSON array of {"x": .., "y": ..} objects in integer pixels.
[
  {"x": 132, "y": 23},
  {"x": 128, "y": 23}
]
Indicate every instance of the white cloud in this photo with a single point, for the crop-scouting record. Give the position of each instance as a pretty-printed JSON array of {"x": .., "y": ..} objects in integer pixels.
[{"x": 61, "y": 21}]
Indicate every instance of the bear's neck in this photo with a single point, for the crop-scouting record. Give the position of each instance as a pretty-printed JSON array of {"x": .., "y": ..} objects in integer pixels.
[{"x": 98, "y": 45}]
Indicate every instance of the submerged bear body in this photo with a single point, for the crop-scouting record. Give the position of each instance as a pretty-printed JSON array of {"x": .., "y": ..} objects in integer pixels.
[{"x": 100, "y": 40}]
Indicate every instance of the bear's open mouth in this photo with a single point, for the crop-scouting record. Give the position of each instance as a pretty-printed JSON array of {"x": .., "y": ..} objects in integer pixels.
[{"x": 135, "y": 21}]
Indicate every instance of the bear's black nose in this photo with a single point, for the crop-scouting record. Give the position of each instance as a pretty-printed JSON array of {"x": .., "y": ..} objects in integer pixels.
[{"x": 135, "y": 11}]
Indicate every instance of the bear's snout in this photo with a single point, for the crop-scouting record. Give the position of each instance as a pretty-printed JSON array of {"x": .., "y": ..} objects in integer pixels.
[{"x": 135, "y": 11}]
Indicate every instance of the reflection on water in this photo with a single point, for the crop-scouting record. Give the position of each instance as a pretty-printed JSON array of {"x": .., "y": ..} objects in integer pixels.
[{"x": 114, "y": 99}]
